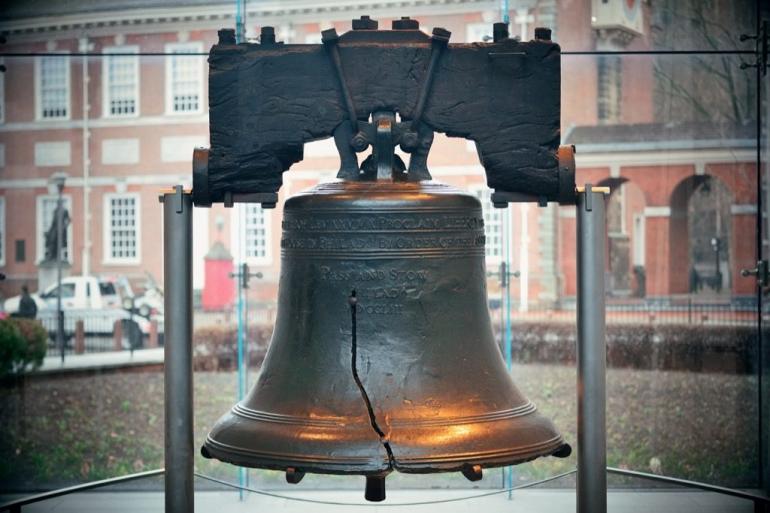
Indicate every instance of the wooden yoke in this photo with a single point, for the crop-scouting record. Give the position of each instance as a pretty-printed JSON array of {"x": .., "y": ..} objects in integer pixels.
[{"x": 267, "y": 100}]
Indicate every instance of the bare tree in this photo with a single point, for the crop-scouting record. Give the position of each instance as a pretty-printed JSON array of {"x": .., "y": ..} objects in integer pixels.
[{"x": 701, "y": 87}]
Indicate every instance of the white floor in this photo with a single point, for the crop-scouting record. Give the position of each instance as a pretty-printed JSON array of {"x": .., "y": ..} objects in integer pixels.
[{"x": 529, "y": 501}]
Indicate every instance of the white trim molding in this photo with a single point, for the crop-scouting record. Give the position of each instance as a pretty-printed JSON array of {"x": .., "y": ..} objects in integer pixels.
[
  {"x": 664, "y": 157},
  {"x": 120, "y": 151},
  {"x": 743, "y": 209},
  {"x": 657, "y": 211},
  {"x": 202, "y": 119},
  {"x": 53, "y": 153}
]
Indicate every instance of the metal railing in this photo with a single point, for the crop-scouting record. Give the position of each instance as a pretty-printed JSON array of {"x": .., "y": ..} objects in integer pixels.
[
  {"x": 95, "y": 332},
  {"x": 671, "y": 311}
]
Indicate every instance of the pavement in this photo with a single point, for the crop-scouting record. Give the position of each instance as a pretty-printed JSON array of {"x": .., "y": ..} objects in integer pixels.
[
  {"x": 105, "y": 360},
  {"x": 529, "y": 501}
]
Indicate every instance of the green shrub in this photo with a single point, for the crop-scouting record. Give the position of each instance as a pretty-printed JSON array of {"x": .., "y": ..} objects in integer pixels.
[
  {"x": 23, "y": 343},
  {"x": 688, "y": 347}
]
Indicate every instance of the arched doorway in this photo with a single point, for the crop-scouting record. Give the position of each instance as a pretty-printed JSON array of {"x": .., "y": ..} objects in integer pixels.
[
  {"x": 625, "y": 239},
  {"x": 701, "y": 237}
]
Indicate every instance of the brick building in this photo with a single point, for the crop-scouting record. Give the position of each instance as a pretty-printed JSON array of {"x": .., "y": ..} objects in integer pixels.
[{"x": 123, "y": 125}]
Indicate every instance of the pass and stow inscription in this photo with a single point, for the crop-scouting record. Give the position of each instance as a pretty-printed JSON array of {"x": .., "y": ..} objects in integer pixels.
[{"x": 379, "y": 291}]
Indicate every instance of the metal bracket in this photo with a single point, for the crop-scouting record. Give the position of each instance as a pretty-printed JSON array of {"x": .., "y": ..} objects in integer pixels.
[
  {"x": 760, "y": 49},
  {"x": 501, "y": 199},
  {"x": 383, "y": 147},
  {"x": 761, "y": 271}
]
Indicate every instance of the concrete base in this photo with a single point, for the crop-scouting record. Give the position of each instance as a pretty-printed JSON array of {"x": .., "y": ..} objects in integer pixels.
[
  {"x": 46, "y": 273},
  {"x": 531, "y": 501}
]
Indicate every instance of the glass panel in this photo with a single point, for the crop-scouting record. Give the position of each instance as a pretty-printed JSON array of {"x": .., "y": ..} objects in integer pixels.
[
  {"x": 671, "y": 135},
  {"x": 764, "y": 290},
  {"x": 680, "y": 159}
]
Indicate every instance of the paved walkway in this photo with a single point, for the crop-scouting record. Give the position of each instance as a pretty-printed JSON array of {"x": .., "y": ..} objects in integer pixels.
[
  {"x": 529, "y": 501},
  {"x": 107, "y": 360}
]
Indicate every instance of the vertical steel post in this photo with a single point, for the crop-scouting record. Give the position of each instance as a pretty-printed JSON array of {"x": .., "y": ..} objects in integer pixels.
[
  {"x": 591, "y": 355},
  {"x": 241, "y": 388},
  {"x": 507, "y": 239},
  {"x": 177, "y": 271},
  {"x": 59, "y": 243}
]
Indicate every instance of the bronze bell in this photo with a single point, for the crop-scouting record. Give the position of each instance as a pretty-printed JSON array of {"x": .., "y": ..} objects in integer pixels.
[{"x": 383, "y": 356}]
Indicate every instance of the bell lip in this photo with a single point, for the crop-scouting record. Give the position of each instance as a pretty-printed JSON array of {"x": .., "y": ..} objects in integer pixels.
[
  {"x": 337, "y": 466},
  {"x": 456, "y": 463}
]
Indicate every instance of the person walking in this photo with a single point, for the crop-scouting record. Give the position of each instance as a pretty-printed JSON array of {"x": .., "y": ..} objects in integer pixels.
[{"x": 27, "y": 305}]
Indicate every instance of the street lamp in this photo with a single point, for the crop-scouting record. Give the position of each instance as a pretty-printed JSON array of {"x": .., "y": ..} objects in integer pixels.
[
  {"x": 57, "y": 180},
  {"x": 716, "y": 246}
]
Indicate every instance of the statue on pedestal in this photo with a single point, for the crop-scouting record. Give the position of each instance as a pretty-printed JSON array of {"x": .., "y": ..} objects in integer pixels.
[{"x": 50, "y": 234}]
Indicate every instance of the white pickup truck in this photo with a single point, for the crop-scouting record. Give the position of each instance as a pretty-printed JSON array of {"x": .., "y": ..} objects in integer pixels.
[
  {"x": 94, "y": 300},
  {"x": 77, "y": 292}
]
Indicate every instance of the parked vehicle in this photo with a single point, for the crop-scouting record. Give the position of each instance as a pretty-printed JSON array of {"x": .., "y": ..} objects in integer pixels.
[
  {"x": 77, "y": 292},
  {"x": 97, "y": 302}
]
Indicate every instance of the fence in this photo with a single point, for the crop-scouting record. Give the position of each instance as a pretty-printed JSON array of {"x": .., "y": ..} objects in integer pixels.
[
  {"x": 102, "y": 331},
  {"x": 671, "y": 311}
]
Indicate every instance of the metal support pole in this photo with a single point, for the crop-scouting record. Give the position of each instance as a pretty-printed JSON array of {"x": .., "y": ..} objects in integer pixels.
[
  {"x": 591, "y": 354},
  {"x": 59, "y": 241},
  {"x": 241, "y": 387},
  {"x": 177, "y": 269}
]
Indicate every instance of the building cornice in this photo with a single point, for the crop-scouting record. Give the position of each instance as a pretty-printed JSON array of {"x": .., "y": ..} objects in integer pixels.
[{"x": 270, "y": 12}]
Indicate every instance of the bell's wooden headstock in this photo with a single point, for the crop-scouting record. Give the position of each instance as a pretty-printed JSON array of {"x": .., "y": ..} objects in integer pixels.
[{"x": 267, "y": 100}]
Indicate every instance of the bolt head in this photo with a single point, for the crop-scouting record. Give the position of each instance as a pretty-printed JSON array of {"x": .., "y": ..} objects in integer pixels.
[
  {"x": 409, "y": 141},
  {"x": 226, "y": 36},
  {"x": 358, "y": 142},
  {"x": 405, "y": 23},
  {"x": 365, "y": 23},
  {"x": 542, "y": 34}
]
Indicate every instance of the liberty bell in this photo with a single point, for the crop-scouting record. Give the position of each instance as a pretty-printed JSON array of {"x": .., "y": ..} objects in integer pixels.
[{"x": 383, "y": 356}]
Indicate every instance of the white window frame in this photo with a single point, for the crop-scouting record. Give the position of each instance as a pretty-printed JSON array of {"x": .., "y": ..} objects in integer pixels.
[
  {"x": 39, "y": 85},
  {"x": 107, "y": 257},
  {"x": 488, "y": 210},
  {"x": 131, "y": 51},
  {"x": 3, "y": 246},
  {"x": 41, "y": 227},
  {"x": 238, "y": 236},
  {"x": 192, "y": 47}
]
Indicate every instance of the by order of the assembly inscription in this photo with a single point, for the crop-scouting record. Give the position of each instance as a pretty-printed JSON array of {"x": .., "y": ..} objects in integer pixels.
[{"x": 383, "y": 223}]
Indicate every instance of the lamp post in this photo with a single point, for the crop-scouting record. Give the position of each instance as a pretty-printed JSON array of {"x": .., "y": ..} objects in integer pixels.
[
  {"x": 717, "y": 246},
  {"x": 58, "y": 180}
]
